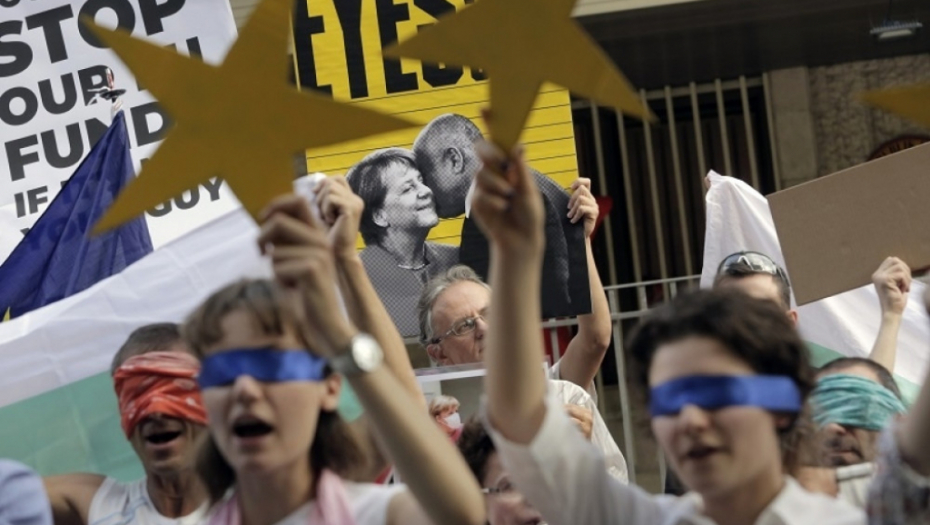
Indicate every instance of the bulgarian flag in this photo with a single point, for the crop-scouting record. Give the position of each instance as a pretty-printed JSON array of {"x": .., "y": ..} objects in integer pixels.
[
  {"x": 58, "y": 410},
  {"x": 738, "y": 218}
]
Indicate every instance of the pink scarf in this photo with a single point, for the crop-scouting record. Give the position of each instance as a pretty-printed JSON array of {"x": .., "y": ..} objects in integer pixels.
[{"x": 332, "y": 505}]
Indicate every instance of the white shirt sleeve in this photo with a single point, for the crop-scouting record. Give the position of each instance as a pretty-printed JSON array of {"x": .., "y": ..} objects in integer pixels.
[
  {"x": 555, "y": 372},
  {"x": 853, "y": 483},
  {"x": 564, "y": 477},
  {"x": 370, "y": 501},
  {"x": 571, "y": 394},
  {"x": 23, "y": 500}
]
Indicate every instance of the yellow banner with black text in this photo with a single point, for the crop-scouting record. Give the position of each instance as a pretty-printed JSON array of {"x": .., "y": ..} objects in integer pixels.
[{"x": 338, "y": 50}]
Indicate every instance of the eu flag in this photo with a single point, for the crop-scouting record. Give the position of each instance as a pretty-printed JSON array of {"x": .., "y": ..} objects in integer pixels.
[{"x": 57, "y": 257}]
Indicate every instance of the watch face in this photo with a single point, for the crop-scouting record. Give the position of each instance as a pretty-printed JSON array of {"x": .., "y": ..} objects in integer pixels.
[{"x": 367, "y": 353}]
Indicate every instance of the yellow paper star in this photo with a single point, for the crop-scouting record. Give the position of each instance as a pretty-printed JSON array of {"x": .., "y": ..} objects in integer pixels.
[
  {"x": 910, "y": 102},
  {"x": 521, "y": 44},
  {"x": 241, "y": 121}
]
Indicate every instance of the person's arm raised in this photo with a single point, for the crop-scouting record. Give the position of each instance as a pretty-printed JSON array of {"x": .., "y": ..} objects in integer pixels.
[
  {"x": 585, "y": 352},
  {"x": 342, "y": 211},
  {"x": 559, "y": 472},
  {"x": 914, "y": 429},
  {"x": 434, "y": 471},
  {"x": 898, "y": 492},
  {"x": 892, "y": 282},
  {"x": 508, "y": 207}
]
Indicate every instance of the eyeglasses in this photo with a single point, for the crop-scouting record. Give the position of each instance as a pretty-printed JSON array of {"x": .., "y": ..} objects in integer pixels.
[
  {"x": 460, "y": 327},
  {"x": 754, "y": 260},
  {"x": 503, "y": 488}
]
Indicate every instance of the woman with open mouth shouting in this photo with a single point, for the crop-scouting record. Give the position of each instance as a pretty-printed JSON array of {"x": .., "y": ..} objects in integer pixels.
[
  {"x": 278, "y": 452},
  {"x": 725, "y": 376}
]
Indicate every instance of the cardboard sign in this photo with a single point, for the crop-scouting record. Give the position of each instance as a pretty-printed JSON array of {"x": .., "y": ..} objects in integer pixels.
[
  {"x": 835, "y": 231},
  {"x": 338, "y": 49},
  {"x": 842, "y": 325}
]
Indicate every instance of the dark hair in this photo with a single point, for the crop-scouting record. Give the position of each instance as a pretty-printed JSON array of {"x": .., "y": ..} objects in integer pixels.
[
  {"x": 476, "y": 446},
  {"x": 367, "y": 181},
  {"x": 884, "y": 376},
  {"x": 754, "y": 330},
  {"x": 156, "y": 337},
  {"x": 334, "y": 446},
  {"x": 741, "y": 270}
]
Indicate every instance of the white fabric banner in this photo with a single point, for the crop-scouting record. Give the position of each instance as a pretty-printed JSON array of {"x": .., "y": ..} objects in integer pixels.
[
  {"x": 49, "y": 67},
  {"x": 738, "y": 218},
  {"x": 77, "y": 337}
]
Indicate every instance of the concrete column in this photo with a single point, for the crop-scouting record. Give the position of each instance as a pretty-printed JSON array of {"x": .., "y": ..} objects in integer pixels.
[{"x": 795, "y": 141}]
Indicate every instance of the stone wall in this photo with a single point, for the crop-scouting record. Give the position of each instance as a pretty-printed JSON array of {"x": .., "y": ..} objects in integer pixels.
[{"x": 846, "y": 130}]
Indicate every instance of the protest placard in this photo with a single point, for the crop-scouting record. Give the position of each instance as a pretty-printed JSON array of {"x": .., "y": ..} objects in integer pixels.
[
  {"x": 835, "y": 231},
  {"x": 50, "y": 71},
  {"x": 416, "y": 182}
]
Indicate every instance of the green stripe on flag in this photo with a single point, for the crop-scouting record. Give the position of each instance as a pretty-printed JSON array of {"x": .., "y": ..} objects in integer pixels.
[
  {"x": 821, "y": 355},
  {"x": 75, "y": 428}
]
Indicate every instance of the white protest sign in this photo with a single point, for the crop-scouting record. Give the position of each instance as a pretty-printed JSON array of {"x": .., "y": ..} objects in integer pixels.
[{"x": 50, "y": 66}]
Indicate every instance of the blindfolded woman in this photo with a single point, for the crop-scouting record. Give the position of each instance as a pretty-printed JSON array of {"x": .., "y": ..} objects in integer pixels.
[
  {"x": 278, "y": 452},
  {"x": 725, "y": 376}
]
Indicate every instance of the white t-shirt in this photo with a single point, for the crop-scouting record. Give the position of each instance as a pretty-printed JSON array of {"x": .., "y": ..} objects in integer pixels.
[
  {"x": 555, "y": 372},
  {"x": 853, "y": 482},
  {"x": 118, "y": 503},
  {"x": 368, "y": 501},
  {"x": 569, "y": 393}
]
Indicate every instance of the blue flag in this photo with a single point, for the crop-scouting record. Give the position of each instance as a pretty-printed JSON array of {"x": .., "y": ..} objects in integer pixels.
[{"x": 57, "y": 257}]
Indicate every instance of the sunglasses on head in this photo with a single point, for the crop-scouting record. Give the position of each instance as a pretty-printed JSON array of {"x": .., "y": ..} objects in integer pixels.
[{"x": 755, "y": 261}]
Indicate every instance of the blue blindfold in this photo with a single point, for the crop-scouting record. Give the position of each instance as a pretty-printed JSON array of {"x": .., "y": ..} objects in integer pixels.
[
  {"x": 263, "y": 364},
  {"x": 775, "y": 393}
]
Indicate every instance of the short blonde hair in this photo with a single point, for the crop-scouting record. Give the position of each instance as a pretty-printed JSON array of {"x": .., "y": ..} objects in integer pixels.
[{"x": 439, "y": 404}]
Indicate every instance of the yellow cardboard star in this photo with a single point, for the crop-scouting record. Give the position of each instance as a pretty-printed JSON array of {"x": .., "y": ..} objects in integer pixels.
[
  {"x": 910, "y": 102},
  {"x": 521, "y": 44},
  {"x": 241, "y": 120}
]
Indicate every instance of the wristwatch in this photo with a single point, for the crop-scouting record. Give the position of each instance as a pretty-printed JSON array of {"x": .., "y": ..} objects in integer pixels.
[{"x": 363, "y": 355}]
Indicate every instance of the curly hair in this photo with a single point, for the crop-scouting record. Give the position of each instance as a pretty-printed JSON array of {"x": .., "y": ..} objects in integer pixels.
[{"x": 754, "y": 330}]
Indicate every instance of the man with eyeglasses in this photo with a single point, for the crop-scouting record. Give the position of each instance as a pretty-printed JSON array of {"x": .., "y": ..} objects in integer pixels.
[
  {"x": 457, "y": 302},
  {"x": 452, "y": 307},
  {"x": 452, "y": 315}
]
